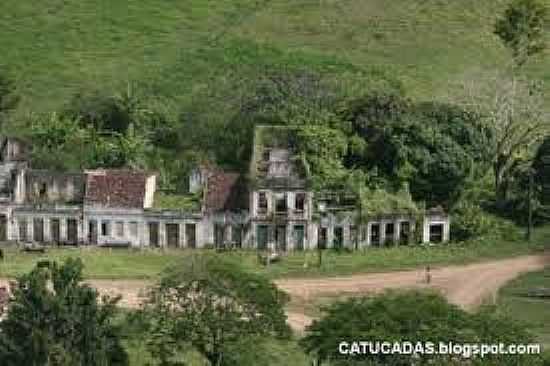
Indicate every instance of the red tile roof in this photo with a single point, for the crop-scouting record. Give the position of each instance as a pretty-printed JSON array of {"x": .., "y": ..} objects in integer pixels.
[
  {"x": 116, "y": 188},
  {"x": 224, "y": 191}
]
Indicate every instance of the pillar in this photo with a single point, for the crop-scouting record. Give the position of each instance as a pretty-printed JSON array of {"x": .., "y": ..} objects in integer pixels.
[
  {"x": 162, "y": 234},
  {"x": 426, "y": 231},
  {"x": 397, "y": 231},
  {"x": 383, "y": 232},
  {"x": 181, "y": 228}
]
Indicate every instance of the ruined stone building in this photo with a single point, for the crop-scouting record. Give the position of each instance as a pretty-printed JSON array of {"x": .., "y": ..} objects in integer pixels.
[{"x": 272, "y": 207}]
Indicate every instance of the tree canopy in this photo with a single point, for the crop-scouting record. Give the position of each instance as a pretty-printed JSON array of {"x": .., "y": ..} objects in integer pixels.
[
  {"x": 209, "y": 304},
  {"x": 521, "y": 28},
  {"x": 55, "y": 319},
  {"x": 414, "y": 317}
]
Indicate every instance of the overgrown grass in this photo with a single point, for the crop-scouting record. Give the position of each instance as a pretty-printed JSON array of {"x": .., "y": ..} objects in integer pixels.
[
  {"x": 179, "y": 202},
  {"x": 148, "y": 264},
  {"x": 174, "y": 48}
]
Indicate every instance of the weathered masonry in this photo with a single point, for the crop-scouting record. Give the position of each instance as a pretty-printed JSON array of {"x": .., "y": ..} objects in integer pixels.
[{"x": 272, "y": 208}]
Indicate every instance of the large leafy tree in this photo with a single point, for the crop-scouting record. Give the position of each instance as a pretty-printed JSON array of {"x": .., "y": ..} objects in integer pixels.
[
  {"x": 414, "y": 317},
  {"x": 430, "y": 146},
  {"x": 521, "y": 28},
  {"x": 209, "y": 304},
  {"x": 55, "y": 319},
  {"x": 513, "y": 110}
]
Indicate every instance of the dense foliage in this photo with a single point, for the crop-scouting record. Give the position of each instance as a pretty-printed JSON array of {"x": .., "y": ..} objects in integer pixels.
[
  {"x": 55, "y": 319},
  {"x": 210, "y": 305},
  {"x": 414, "y": 317},
  {"x": 430, "y": 146},
  {"x": 522, "y": 27}
]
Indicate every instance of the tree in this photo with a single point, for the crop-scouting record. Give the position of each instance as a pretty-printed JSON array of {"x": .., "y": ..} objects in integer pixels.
[
  {"x": 324, "y": 149},
  {"x": 208, "y": 304},
  {"x": 411, "y": 316},
  {"x": 521, "y": 28},
  {"x": 512, "y": 109},
  {"x": 430, "y": 146},
  {"x": 541, "y": 166},
  {"x": 54, "y": 319}
]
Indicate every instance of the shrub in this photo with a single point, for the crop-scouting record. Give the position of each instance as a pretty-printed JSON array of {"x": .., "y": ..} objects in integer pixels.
[{"x": 469, "y": 221}]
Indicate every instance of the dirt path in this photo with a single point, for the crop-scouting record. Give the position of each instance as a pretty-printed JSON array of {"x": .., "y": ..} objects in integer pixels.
[{"x": 466, "y": 285}]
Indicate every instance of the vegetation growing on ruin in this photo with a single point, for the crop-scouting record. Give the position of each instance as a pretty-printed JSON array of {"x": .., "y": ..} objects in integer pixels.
[{"x": 178, "y": 202}]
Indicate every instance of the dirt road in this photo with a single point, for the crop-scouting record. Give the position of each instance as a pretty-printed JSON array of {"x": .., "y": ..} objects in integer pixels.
[{"x": 466, "y": 285}]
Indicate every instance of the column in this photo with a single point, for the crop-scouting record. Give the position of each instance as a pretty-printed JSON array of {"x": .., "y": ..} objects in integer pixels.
[
  {"x": 312, "y": 240},
  {"x": 30, "y": 228},
  {"x": 254, "y": 203},
  {"x": 289, "y": 203},
  {"x": 227, "y": 234},
  {"x": 346, "y": 236},
  {"x": 330, "y": 235},
  {"x": 82, "y": 229},
  {"x": 181, "y": 228},
  {"x": 368, "y": 240},
  {"x": 288, "y": 237},
  {"x": 162, "y": 234},
  {"x": 397, "y": 231},
  {"x": 47, "y": 230},
  {"x": 63, "y": 229},
  {"x": 426, "y": 231},
  {"x": 446, "y": 231}
]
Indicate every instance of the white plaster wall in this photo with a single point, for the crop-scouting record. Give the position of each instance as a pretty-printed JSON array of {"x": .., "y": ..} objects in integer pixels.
[{"x": 150, "y": 187}]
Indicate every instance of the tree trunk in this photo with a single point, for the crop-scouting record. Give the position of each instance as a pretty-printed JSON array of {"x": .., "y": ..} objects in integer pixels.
[{"x": 501, "y": 183}]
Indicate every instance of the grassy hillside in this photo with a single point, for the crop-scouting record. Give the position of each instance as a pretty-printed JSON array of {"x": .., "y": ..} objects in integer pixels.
[{"x": 174, "y": 47}]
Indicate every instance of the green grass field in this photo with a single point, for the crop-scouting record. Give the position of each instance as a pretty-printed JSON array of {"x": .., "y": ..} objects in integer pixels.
[
  {"x": 533, "y": 311},
  {"x": 172, "y": 48},
  {"x": 148, "y": 264}
]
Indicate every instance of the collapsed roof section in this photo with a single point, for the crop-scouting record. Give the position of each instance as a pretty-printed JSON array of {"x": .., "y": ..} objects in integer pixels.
[
  {"x": 225, "y": 191},
  {"x": 276, "y": 162}
]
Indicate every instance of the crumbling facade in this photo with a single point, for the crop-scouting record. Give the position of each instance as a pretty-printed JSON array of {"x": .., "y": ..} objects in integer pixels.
[{"x": 272, "y": 208}]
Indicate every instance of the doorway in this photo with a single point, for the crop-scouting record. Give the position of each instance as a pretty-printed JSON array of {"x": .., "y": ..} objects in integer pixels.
[
  {"x": 72, "y": 231},
  {"x": 191, "y": 235},
  {"x": 404, "y": 234},
  {"x": 22, "y": 223},
  {"x": 375, "y": 234},
  {"x": 338, "y": 238},
  {"x": 322, "y": 240},
  {"x": 280, "y": 237},
  {"x": 172, "y": 235},
  {"x": 299, "y": 237},
  {"x": 436, "y": 233},
  {"x": 55, "y": 230},
  {"x": 261, "y": 237},
  {"x": 154, "y": 234},
  {"x": 38, "y": 229},
  {"x": 92, "y": 231},
  {"x": 219, "y": 234},
  {"x": 3, "y": 228}
]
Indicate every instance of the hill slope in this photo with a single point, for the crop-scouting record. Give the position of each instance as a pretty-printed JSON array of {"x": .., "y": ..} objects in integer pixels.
[{"x": 173, "y": 47}]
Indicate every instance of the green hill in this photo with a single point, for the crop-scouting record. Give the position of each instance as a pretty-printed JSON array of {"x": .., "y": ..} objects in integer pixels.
[{"x": 173, "y": 47}]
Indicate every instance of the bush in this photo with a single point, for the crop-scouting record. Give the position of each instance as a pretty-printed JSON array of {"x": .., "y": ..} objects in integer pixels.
[
  {"x": 411, "y": 316},
  {"x": 469, "y": 221}
]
